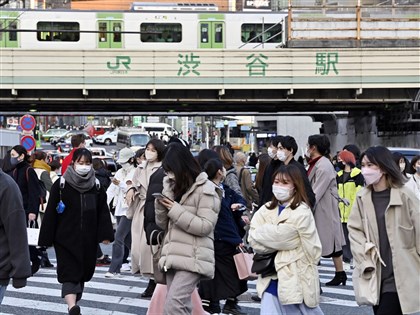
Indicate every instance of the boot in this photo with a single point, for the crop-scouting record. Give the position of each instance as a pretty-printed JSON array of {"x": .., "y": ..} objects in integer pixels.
[
  {"x": 35, "y": 267},
  {"x": 232, "y": 307},
  {"x": 340, "y": 277},
  {"x": 149, "y": 290},
  {"x": 45, "y": 261}
]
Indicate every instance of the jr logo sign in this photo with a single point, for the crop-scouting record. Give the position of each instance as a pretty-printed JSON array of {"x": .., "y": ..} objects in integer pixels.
[{"x": 123, "y": 61}]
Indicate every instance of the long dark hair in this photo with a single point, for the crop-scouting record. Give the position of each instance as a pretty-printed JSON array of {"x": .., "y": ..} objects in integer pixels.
[
  {"x": 212, "y": 166},
  {"x": 382, "y": 157},
  {"x": 294, "y": 175},
  {"x": 264, "y": 159},
  {"x": 179, "y": 160}
]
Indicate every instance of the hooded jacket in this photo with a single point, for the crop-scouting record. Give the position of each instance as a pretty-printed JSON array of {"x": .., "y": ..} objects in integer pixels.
[
  {"x": 14, "y": 251},
  {"x": 189, "y": 226},
  {"x": 348, "y": 190}
]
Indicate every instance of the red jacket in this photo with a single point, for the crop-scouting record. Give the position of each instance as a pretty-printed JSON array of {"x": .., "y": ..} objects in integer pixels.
[{"x": 67, "y": 161}]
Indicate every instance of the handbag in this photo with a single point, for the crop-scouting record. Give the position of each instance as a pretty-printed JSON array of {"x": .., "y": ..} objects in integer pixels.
[
  {"x": 365, "y": 282},
  {"x": 33, "y": 233},
  {"x": 263, "y": 264},
  {"x": 243, "y": 262},
  {"x": 159, "y": 274}
]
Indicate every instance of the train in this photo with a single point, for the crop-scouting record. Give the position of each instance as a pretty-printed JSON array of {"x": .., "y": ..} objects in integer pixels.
[{"x": 139, "y": 30}]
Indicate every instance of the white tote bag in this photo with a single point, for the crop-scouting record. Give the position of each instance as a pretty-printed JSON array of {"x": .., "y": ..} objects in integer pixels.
[{"x": 33, "y": 234}]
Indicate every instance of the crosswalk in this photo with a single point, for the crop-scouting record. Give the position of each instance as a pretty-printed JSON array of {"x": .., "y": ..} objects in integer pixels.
[{"x": 120, "y": 296}]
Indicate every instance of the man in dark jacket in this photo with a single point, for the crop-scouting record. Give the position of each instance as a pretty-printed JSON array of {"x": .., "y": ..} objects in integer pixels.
[
  {"x": 286, "y": 150},
  {"x": 266, "y": 189},
  {"x": 14, "y": 253}
]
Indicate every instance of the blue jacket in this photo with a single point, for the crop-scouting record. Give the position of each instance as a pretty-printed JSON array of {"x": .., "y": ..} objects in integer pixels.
[{"x": 230, "y": 226}]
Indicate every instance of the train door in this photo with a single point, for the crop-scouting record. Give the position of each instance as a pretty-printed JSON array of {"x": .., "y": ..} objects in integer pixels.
[
  {"x": 109, "y": 34},
  {"x": 212, "y": 34},
  {"x": 8, "y": 38}
]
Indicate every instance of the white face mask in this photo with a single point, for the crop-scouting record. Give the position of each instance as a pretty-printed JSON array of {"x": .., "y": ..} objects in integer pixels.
[
  {"x": 281, "y": 193},
  {"x": 82, "y": 169},
  {"x": 371, "y": 176},
  {"x": 143, "y": 163},
  {"x": 125, "y": 166},
  {"x": 150, "y": 155},
  {"x": 271, "y": 152},
  {"x": 281, "y": 155},
  {"x": 418, "y": 170},
  {"x": 402, "y": 167}
]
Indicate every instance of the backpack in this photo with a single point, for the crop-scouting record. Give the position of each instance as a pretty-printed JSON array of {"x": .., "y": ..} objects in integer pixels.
[
  {"x": 63, "y": 183},
  {"x": 43, "y": 193}
]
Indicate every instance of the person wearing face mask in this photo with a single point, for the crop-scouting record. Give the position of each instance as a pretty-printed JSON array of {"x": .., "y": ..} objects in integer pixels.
[
  {"x": 286, "y": 150},
  {"x": 141, "y": 210},
  {"x": 28, "y": 182},
  {"x": 266, "y": 192},
  {"x": 404, "y": 166},
  {"x": 188, "y": 216},
  {"x": 349, "y": 182},
  {"x": 286, "y": 226},
  {"x": 391, "y": 213},
  {"x": 228, "y": 236},
  {"x": 77, "y": 141},
  {"x": 415, "y": 179},
  {"x": 322, "y": 176},
  {"x": 116, "y": 193},
  {"x": 76, "y": 218}
]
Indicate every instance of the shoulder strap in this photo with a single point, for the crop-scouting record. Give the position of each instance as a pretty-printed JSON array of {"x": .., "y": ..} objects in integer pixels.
[
  {"x": 97, "y": 183},
  {"x": 240, "y": 175},
  {"x": 62, "y": 182}
]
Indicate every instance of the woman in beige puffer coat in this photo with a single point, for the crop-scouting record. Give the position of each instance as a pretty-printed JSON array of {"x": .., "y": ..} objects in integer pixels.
[{"x": 188, "y": 215}]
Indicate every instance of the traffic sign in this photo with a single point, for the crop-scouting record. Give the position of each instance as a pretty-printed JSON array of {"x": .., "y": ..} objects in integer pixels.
[
  {"x": 28, "y": 142},
  {"x": 27, "y": 122}
]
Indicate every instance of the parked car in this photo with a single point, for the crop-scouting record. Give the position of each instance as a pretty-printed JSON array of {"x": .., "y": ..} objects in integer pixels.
[
  {"x": 66, "y": 138},
  {"x": 51, "y": 133},
  {"x": 409, "y": 153},
  {"x": 107, "y": 138}
]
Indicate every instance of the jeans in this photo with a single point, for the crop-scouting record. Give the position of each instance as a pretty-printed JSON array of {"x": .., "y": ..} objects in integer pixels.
[
  {"x": 122, "y": 239},
  {"x": 2, "y": 292}
]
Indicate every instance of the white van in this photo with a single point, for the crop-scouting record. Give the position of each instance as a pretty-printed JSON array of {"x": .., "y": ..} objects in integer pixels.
[
  {"x": 160, "y": 130},
  {"x": 132, "y": 138}
]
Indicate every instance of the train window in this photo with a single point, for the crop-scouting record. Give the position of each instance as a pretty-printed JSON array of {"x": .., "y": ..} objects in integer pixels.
[
  {"x": 58, "y": 31},
  {"x": 117, "y": 32},
  {"x": 218, "y": 30},
  {"x": 257, "y": 33},
  {"x": 12, "y": 26},
  {"x": 161, "y": 32},
  {"x": 204, "y": 33},
  {"x": 102, "y": 32}
]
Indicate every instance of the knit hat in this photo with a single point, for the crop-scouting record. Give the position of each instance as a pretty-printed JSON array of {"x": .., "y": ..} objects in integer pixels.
[{"x": 347, "y": 157}]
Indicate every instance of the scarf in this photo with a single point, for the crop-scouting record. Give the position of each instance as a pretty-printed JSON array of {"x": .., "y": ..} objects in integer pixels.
[{"x": 81, "y": 183}]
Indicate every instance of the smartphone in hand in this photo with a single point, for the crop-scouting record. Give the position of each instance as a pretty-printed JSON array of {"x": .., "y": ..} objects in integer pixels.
[{"x": 159, "y": 196}]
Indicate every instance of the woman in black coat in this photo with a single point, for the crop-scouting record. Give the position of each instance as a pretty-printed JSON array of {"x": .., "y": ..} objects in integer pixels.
[
  {"x": 76, "y": 219},
  {"x": 27, "y": 180}
]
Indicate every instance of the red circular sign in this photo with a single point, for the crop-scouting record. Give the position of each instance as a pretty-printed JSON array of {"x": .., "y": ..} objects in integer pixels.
[
  {"x": 28, "y": 142},
  {"x": 27, "y": 122}
]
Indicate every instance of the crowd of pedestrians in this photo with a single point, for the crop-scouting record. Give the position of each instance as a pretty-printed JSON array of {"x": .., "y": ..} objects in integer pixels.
[{"x": 198, "y": 212}]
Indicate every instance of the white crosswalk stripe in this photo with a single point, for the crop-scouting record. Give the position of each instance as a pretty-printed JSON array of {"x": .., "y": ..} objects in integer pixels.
[{"x": 120, "y": 296}]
